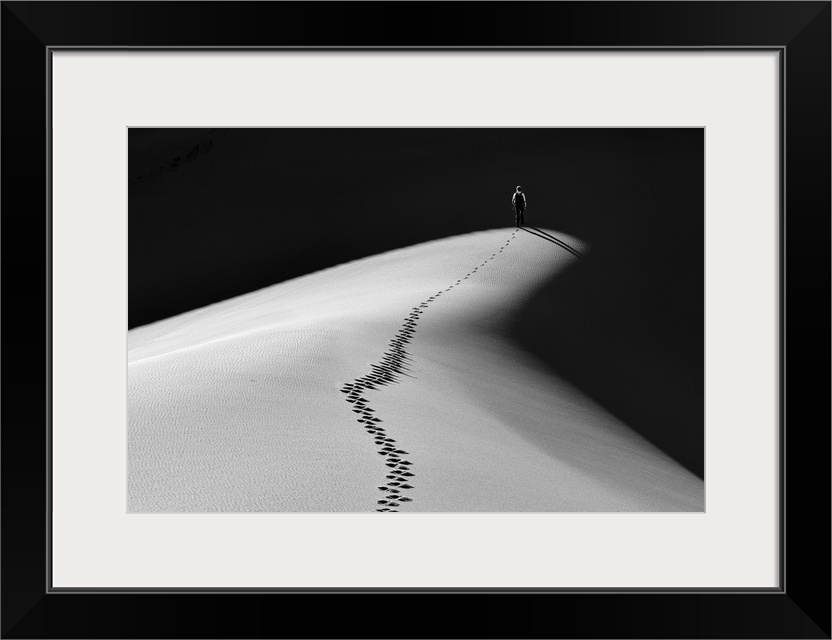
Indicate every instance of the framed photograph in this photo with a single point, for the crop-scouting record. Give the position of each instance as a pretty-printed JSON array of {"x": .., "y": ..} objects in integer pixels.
[{"x": 521, "y": 301}]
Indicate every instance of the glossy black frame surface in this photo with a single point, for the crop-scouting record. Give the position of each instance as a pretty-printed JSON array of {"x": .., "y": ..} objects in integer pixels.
[{"x": 800, "y": 608}]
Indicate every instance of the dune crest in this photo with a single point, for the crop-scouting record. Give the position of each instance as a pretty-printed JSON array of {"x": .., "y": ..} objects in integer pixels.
[{"x": 236, "y": 407}]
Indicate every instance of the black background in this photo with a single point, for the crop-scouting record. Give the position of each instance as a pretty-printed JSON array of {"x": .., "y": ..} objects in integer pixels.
[
  {"x": 215, "y": 213},
  {"x": 800, "y": 608}
]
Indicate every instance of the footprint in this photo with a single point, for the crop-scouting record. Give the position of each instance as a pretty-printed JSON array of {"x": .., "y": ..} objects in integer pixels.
[{"x": 386, "y": 371}]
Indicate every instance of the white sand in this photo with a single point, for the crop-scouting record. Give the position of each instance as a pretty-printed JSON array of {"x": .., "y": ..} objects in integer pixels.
[{"x": 238, "y": 406}]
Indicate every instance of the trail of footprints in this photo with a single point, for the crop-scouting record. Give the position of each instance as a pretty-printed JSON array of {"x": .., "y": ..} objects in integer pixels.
[{"x": 391, "y": 367}]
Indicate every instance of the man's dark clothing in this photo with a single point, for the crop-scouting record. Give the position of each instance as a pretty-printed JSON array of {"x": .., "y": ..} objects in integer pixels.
[{"x": 519, "y": 201}]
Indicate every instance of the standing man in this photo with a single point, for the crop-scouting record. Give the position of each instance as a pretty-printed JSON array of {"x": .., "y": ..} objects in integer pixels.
[{"x": 519, "y": 202}]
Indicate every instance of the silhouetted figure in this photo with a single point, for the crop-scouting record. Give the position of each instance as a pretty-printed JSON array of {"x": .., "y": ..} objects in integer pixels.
[{"x": 519, "y": 202}]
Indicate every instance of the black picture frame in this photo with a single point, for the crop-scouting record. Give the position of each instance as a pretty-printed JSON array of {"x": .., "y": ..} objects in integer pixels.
[{"x": 799, "y": 608}]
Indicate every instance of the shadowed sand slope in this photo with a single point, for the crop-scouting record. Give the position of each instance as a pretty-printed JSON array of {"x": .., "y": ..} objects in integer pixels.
[{"x": 385, "y": 384}]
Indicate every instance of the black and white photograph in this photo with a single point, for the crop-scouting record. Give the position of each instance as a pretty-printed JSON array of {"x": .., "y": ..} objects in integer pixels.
[{"x": 394, "y": 320}]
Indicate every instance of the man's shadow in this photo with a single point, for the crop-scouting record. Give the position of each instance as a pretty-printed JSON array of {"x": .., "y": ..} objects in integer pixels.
[{"x": 554, "y": 240}]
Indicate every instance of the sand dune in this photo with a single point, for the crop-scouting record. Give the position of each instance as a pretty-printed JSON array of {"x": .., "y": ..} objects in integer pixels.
[{"x": 383, "y": 384}]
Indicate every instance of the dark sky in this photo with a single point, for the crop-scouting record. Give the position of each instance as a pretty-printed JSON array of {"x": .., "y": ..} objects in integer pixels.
[{"x": 217, "y": 213}]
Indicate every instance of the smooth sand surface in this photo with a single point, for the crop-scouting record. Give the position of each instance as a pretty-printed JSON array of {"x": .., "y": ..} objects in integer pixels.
[{"x": 253, "y": 404}]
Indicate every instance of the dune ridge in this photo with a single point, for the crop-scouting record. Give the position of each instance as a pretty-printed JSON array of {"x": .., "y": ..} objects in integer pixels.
[{"x": 235, "y": 407}]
